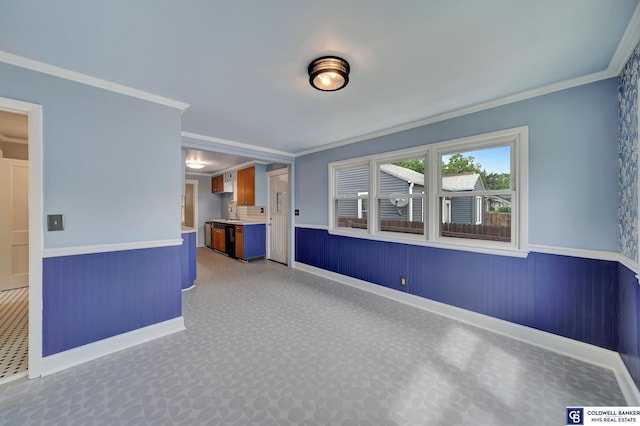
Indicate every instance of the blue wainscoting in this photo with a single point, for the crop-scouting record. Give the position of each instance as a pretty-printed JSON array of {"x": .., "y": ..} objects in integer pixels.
[
  {"x": 91, "y": 297},
  {"x": 568, "y": 296},
  {"x": 628, "y": 321},
  {"x": 188, "y": 260}
]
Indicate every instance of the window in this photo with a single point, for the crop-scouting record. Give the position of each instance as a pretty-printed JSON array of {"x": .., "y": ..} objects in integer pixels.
[
  {"x": 475, "y": 185},
  {"x": 400, "y": 195},
  {"x": 468, "y": 194},
  {"x": 350, "y": 196}
]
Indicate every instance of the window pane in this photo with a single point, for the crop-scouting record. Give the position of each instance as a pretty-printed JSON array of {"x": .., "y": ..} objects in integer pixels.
[
  {"x": 404, "y": 215},
  {"x": 402, "y": 177},
  {"x": 480, "y": 218},
  {"x": 352, "y": 213},
  {"x": 483, "y": 169},
  {"x": 350, "y": 182}
]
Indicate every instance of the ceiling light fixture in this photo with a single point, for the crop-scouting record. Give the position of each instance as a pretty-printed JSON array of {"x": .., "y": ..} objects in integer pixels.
[
  {"x": 328, "y": 73},
  {"x": 194, "y": 165}
]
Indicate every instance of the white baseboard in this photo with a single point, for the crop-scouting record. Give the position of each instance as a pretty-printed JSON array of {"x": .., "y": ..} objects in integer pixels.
[
  {"x": 82, "y": 354},
  {"x": 582, "y": 351}
]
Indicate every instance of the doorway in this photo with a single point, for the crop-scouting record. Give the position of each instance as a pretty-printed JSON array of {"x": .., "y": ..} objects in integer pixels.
[
  {"x": 190, "y": 204},
  {"x": 278, "y": 215},
  {"x": 33, "y": 114},
  {"x": 14, "y": 245}
]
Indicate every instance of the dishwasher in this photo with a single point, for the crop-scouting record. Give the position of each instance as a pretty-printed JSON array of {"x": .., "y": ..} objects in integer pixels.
[{"x": 230, "y": 240}]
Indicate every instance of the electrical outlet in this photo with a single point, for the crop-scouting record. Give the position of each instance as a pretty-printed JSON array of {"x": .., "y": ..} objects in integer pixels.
[{"x": 403, "y": 281}]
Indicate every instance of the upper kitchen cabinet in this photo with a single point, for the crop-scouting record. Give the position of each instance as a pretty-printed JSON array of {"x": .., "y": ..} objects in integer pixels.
[
  {"x": 222, "y": 183},
  {"x": 217, "y": 184},
  {"x": 252, "y": 186}
]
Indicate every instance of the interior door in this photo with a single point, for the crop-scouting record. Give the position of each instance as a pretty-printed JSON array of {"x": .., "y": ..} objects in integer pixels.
[
  {"x": 14, "y": 223},
  {"x": 279, "y": 218}
]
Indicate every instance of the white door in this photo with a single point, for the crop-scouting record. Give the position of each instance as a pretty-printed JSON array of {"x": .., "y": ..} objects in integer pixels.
[
  {"x": 279, "y": 217},
  {"x": 14, "y": 223}
]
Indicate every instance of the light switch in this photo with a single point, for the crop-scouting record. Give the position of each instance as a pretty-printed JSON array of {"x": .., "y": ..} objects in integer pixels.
[{"x": 54, "y": 222}]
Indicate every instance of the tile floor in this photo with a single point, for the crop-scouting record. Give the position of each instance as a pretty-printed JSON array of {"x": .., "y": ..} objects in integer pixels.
[
  {"x": 267, "y": 345},
  {"x": 14, "y": 332}
]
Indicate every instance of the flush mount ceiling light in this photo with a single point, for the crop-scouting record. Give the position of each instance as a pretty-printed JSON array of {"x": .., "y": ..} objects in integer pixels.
[
  {"x": 194, "y": 165},
  {"x": 328, "y": 73}
]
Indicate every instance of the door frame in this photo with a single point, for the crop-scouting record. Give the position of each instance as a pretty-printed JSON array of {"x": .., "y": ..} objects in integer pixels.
[
  {"x": 282, "y": 171},
  {"x": 34, "y": 114},
  {"x": 196, "y": 225}
]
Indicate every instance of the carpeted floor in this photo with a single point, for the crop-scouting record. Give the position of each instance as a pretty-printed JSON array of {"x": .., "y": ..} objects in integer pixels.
[{"x": 267, "y": 345}]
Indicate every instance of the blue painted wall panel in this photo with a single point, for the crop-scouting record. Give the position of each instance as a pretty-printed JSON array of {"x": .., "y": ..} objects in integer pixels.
[
  {"x": 188, "y": 259},
  {"x": 568, "y": 296},
  {"x": 629, "y": 321},
  {"x": 254, "y": 241},
  {"x": 90, "y": 297}
]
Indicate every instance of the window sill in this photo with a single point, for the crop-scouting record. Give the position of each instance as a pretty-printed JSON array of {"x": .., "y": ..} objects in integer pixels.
[{"x": 420, "y": 241}]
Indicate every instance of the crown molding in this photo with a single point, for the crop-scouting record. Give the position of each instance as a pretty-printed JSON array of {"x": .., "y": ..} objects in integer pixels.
[
  {"x": 556, "y": 87},
  {"x": 30, "y": 64},
  {"x": 627, "y": 44},
  {"x": 233, "y": 144}
]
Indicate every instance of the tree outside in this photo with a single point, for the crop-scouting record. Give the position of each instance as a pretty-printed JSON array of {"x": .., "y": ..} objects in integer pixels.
[{"x": 458, "y": 164}]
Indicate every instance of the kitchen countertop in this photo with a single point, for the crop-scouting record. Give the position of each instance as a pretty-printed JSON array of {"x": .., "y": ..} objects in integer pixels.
[
  {"x": 186, "y": 229},
  {"x": 238, "y": 221}
]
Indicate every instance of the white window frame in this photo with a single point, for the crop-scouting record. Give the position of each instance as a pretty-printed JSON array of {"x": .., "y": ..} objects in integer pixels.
[
  {"x": 517, "y": 138},
  {"x": 390, "y": 159},
  {"x": 333, "y": 197},
  {"x": 361, "y": 210},
  {"x": 478, "y": 210}
]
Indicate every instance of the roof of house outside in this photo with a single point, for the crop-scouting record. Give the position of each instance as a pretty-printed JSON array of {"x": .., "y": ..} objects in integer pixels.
[
  {"x": 403, "y": 173},
  {"x": 459, "y": 182}
]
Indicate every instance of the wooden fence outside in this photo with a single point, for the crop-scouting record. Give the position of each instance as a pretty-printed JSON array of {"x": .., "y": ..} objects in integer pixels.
[
  {"x": 477, "y": 232},
  {"x": 495, "y": 229}
]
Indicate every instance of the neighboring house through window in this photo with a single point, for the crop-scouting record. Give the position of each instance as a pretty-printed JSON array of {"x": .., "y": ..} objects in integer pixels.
[{"x": 468, "y": 193}]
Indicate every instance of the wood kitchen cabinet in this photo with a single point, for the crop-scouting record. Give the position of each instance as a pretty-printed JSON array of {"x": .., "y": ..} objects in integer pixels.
[
  {"x": 218, "y": 238},
  {"x": 246, "y": 181},
  {"x": 217, "y": 183},
  {"x": 239, "y": 241}
]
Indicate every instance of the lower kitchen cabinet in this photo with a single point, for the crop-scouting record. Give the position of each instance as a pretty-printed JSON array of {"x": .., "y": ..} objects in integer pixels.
[
  {"x": 218, "y": 237},
  {"x": 251, "y": 241}
]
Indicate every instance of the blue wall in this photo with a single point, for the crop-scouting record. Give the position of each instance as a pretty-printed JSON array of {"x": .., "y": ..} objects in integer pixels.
[
  {"x": 94, "y": 296},
  {"x": 568, "y": 296},
  {"x": 628, "y": 190},
  {"x": 628, "y": 323},
  {"x": 111, "y": 163},
  {"x": 573, "y": 203},
  {"x": 112, "y": 166},
  {"x": 573, "y": 163},
  {"x": 629, "y": 295}
]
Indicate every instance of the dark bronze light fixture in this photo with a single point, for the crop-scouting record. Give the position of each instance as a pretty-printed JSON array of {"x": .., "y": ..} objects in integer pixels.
[{"x": 328, "y": 73}]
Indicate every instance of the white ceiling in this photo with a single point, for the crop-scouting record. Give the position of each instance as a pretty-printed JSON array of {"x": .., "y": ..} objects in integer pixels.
[
  {"x": 242, "y": 65},
  {"x": 213, "y": 162}
]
